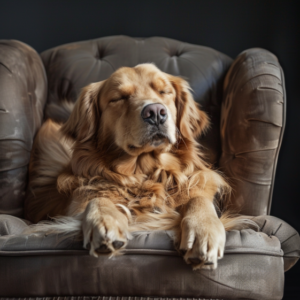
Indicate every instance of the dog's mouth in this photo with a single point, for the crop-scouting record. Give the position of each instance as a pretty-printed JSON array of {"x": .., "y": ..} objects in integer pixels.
[
  {"x": 158, "y": 138},
  {"x": 154, "y": 140}
]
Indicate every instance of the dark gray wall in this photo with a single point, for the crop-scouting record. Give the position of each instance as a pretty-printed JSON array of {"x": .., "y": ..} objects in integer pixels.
[{"x": 228, "y": 26}]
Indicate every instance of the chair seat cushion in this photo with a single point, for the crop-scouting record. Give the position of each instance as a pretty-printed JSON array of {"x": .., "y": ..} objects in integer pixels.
[{"x": 54, "y": 265}]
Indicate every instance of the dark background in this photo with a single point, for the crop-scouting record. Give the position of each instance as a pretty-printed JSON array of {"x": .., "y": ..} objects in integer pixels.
[{"x": 228, "y": 26}]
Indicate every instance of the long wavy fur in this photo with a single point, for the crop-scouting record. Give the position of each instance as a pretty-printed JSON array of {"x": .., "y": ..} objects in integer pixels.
[{"x": 70, "y": 165}]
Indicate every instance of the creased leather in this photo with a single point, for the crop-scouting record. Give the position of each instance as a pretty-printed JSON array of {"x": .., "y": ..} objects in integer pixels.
[
  {"x": 244, "y": 241},
  {"x": 23, "y": 88},
  {"x": 10, "y": 225},
  {"x": 241, "y": 276},
  {"x": 286, "y": 234},
  {"x": 252, "y": 125},
  {"x": 57, "y": 265}
]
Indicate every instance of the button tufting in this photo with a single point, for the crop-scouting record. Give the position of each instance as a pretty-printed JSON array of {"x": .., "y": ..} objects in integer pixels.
[
  {"x": 100, "y": 54},
  {"x": 177, "y": 54}
]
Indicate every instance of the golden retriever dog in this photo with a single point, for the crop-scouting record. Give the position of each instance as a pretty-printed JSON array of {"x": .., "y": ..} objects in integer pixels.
[{"x": 128, "y": 159}]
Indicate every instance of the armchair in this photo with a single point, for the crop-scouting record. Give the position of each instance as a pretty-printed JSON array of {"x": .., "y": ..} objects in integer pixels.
[{"x": 245, "y": 99}]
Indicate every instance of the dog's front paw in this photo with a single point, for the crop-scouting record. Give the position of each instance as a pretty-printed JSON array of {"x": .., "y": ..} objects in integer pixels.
[
  {"x": 105, "y": 229},
  {"x": 202, "y": 241}
]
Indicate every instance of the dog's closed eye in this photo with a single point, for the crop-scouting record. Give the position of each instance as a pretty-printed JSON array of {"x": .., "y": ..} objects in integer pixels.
[
  {"x": 116, "y": 100},
  {"x": 165, "y": 92},
  {"x": 124, "y": 97}
]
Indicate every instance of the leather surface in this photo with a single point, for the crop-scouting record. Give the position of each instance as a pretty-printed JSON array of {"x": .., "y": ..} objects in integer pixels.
[
  {"x": 56, "y": 265},
  {"x": 237, "y": 241},
  {"x": 70, "y": 67},
  {"x": 10, "y": 225},
  {"x": 23, "y": 87},
  {"x": 241, "y": 276},
  {"x": 287, "y": 235},
  {"x": 252, "y": 125}
]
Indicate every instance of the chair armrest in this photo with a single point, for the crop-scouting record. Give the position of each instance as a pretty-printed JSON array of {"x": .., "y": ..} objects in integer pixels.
[
  {"x": 252, "y": 126},
  {"x": 287, "y": 235},
  {"x": 23, "y": 93}
]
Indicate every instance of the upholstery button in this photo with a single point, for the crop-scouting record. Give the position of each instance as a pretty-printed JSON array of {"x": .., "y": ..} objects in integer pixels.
[
  {"x": 174, "y": 53},
  {"x": 99, "y": 55}
]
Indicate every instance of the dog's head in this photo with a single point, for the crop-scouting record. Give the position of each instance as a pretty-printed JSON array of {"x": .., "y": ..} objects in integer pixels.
[{"x": 138, "y": 109}]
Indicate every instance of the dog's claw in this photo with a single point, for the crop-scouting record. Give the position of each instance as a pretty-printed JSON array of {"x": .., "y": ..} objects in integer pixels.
[
  {"x": 118, "y": 244},
  {"x": 182, "y": 252},
  {"x": 106, "y": 232},
  {"x": 205, "y": 244},
  {"x": 194, "y": 260},
  {"x": 103, "y": 249}
]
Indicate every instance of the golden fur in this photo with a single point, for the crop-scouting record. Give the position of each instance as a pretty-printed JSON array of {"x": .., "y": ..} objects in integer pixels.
[{"x": 108, "y": 175}]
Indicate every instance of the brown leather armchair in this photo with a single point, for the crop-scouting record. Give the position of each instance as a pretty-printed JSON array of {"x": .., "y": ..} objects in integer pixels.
[{"x": 245, "y": 99}]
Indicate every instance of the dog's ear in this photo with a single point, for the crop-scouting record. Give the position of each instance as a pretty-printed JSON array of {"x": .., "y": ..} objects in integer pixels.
[
  {"x": 86, "y": 114},
  {"x": 191, "y": 121}
]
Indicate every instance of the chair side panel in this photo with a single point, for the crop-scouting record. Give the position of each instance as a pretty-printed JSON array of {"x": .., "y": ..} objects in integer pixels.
[
  {"x": 252, "y": 126},
  {"x": 23, "y": 86}
]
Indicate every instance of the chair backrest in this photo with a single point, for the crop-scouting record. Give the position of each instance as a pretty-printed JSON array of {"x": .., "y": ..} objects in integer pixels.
[
  {"x": 252, "y": 126},
  {"x": 70, "y": 67}
]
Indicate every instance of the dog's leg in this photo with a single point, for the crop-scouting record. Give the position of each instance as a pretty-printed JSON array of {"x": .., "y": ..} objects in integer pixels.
[
  {"x": 202, "y": 238},
  {"x": 105, "y": 228}
]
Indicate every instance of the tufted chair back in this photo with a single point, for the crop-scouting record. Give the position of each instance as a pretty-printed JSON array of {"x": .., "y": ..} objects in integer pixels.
[
  {"x": 71, "y": 67},
  {"x": 252, "y": 109}
]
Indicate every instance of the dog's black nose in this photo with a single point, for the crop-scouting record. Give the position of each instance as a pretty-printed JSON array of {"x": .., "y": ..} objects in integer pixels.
[{"x": 154, "y": 114}]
